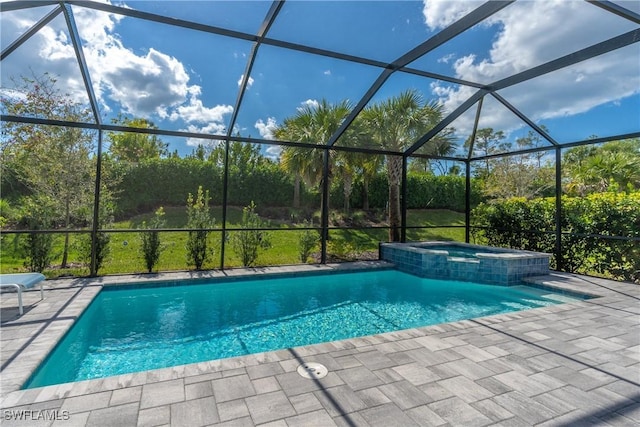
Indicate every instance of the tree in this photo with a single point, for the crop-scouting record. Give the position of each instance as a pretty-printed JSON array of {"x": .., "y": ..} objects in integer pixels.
[
  {"x": 522, "y": 175},
  {"x": 243, "y": 157},
  {"x": 487, "y": 142},
  {"x": 134, "y": 147},
  {"x": 314, "y": 125},
  {"x": 395, "y": 124},
  {"x": 54, "y": 162},
  {"x": 592, "y": 168}
]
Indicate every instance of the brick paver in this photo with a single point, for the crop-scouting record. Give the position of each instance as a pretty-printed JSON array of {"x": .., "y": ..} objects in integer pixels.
[{"x": 571, "y": 364}]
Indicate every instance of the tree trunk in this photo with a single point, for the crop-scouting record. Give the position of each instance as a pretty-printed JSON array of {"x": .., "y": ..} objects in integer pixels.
[
  {"x": 65, "y": 251},
  {"x": 296, "y": 191},
  {"x": 348, "y": 187},
  {"x": 394, "y": 173},
  {"x": 365, "y": 195}
]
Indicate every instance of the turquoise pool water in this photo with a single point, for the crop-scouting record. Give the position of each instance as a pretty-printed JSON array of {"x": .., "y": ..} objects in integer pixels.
[
  {"x": 135, "y": 329},
  {"x": 458, "y": 250}
]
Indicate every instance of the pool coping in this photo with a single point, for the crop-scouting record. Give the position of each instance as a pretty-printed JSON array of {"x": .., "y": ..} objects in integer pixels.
[{"x": 87, "y": 289}]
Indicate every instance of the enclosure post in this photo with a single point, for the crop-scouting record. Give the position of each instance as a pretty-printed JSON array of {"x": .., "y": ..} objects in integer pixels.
[
  {"x": 225, "y": 183},
  {"x": 93, "y": 270},
  {"x": 467, "y": 201},
  {"x": 403, "y": 202},
  {"x": 324, "y": 222},
  {"x": 559, "y": 263}
]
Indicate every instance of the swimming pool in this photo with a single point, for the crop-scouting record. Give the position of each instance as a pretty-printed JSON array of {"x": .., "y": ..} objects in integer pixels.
[{"x": 129, "y": 329}]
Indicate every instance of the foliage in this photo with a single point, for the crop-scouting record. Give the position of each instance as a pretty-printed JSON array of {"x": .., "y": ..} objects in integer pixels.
[
  {"x": 132, "y": 146},
  {"x": 522, "y": 175},
  {"x": 52, "y": 162},
  {"x": 312, "y": 124},
  {"x": 151, "y": 247},
  {"x": 530, "y": 224},
  {"x": 307, "y": 242},
  {"x": 6, "y": 212},
  {"x": 342, "y": 248},
  {"x": 243, "y": 157},
  {"x": 37, "y": 246},
  {"x": 247, "y": 242},
  {"x": 102, "y": 248},
  {"x": 164, "y": 182},
  {"x": 597, "y": 168},
  {"x": 424, "y": 190},
  {"x": 394, "y": 124},
  {"x": 199, "y": 219}
]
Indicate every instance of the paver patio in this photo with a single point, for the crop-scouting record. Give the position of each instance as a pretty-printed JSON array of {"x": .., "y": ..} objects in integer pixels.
[{"x": 565, "y": 365}]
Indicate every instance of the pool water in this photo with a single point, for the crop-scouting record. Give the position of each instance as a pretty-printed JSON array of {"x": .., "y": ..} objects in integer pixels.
[
  {"x": 127, "y": 330},
  {"x": 458, "y": 250}
]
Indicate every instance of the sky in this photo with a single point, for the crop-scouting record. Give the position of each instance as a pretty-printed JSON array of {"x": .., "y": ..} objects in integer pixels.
[{"x": 189, "y": 81}]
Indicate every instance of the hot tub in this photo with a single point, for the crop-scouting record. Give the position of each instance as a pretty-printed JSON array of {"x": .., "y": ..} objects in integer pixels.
[{"x": 464, "y": 261}]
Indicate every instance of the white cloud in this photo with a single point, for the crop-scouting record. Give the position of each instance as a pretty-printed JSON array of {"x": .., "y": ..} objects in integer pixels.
[
  {"x": 266, "y": 129},
  {"x": 327, "y": 72},
  {"x": 211, "y": 128},
  {"x": 146, "y": 84},
  {"x": 532, "y": 33},
  {"x": 196, "y": 112},
  {"x": 249, "y": 83},
  {"x": 447, "y": 58},
  {"x": 311, "y": 103},
  {"x": 273, "y": 152},
  {"x": 439, "y": 14}
]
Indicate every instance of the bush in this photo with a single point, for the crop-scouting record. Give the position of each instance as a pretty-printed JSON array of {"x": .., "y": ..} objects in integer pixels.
[
  {"x": 151, "y": 247},
  {"x": 199, "y": 218},
  {"x": 246, "y": 243},
  {"x": 530, "y": 225},
  {"x": 424, "y": 191},
  {"x": 307, "y": 241},
  {"x": 38, "y": 247}
]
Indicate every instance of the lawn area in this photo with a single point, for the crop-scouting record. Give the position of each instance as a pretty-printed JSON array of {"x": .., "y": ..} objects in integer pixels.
[{"x": 125, "y": 256}]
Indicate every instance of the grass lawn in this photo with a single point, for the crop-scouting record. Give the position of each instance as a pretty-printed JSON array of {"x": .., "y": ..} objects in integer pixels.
[{"x": 125, "y": 256}]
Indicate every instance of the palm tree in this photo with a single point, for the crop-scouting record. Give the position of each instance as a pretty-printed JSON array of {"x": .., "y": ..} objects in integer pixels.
[
  {"x": 395, "y": 124},
  {"x": 315, "y": 125},
  {"x": 596, "y": 168}
]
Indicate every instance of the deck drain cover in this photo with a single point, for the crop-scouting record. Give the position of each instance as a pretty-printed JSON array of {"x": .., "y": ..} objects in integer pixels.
[{"x": 312, "y": 370}]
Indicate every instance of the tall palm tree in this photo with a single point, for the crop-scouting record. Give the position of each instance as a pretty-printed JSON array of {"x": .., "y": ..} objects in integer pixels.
[
  {"x": 395, "y": 124},
  {"x": 315, "y": 125}
]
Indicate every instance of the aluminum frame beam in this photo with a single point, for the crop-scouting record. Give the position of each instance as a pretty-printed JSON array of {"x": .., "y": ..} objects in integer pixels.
[
  {"x": 84, "y": 70},
  {"x": 592, "y": 51},
  {"x": 472, "y": 18},
  {"x": 616, "y": 9},
  {"x": 30, "y": 32}
]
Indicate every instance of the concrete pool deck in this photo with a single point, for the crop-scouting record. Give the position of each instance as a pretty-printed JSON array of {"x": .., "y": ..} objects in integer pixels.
[{"x": 570, "y": 364}]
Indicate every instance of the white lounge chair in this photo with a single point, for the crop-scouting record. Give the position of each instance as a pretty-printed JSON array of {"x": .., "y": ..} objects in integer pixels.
[{"x": 20, "y": 282}]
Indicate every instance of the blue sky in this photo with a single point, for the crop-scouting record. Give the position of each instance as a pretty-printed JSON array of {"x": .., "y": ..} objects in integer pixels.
[{"x": 188, "y": 80}]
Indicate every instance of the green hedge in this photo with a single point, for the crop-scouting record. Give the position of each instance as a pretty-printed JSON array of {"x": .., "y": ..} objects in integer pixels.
[
  {"x": 424, "y": 191},
  {"x": 166, "y": 182},
  {"x": 530, "y": 224}
]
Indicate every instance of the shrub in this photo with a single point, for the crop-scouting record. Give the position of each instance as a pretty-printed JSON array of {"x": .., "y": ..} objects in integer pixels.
[
  {"x": 151, "y": 247},
  {"x": 199, "y": 219},
  {"x": 307, "y": 241},
  {"x": 585, "y": 221},
  {"x": 247, "y": 242},
  {"x": 38, "y": 247}
]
